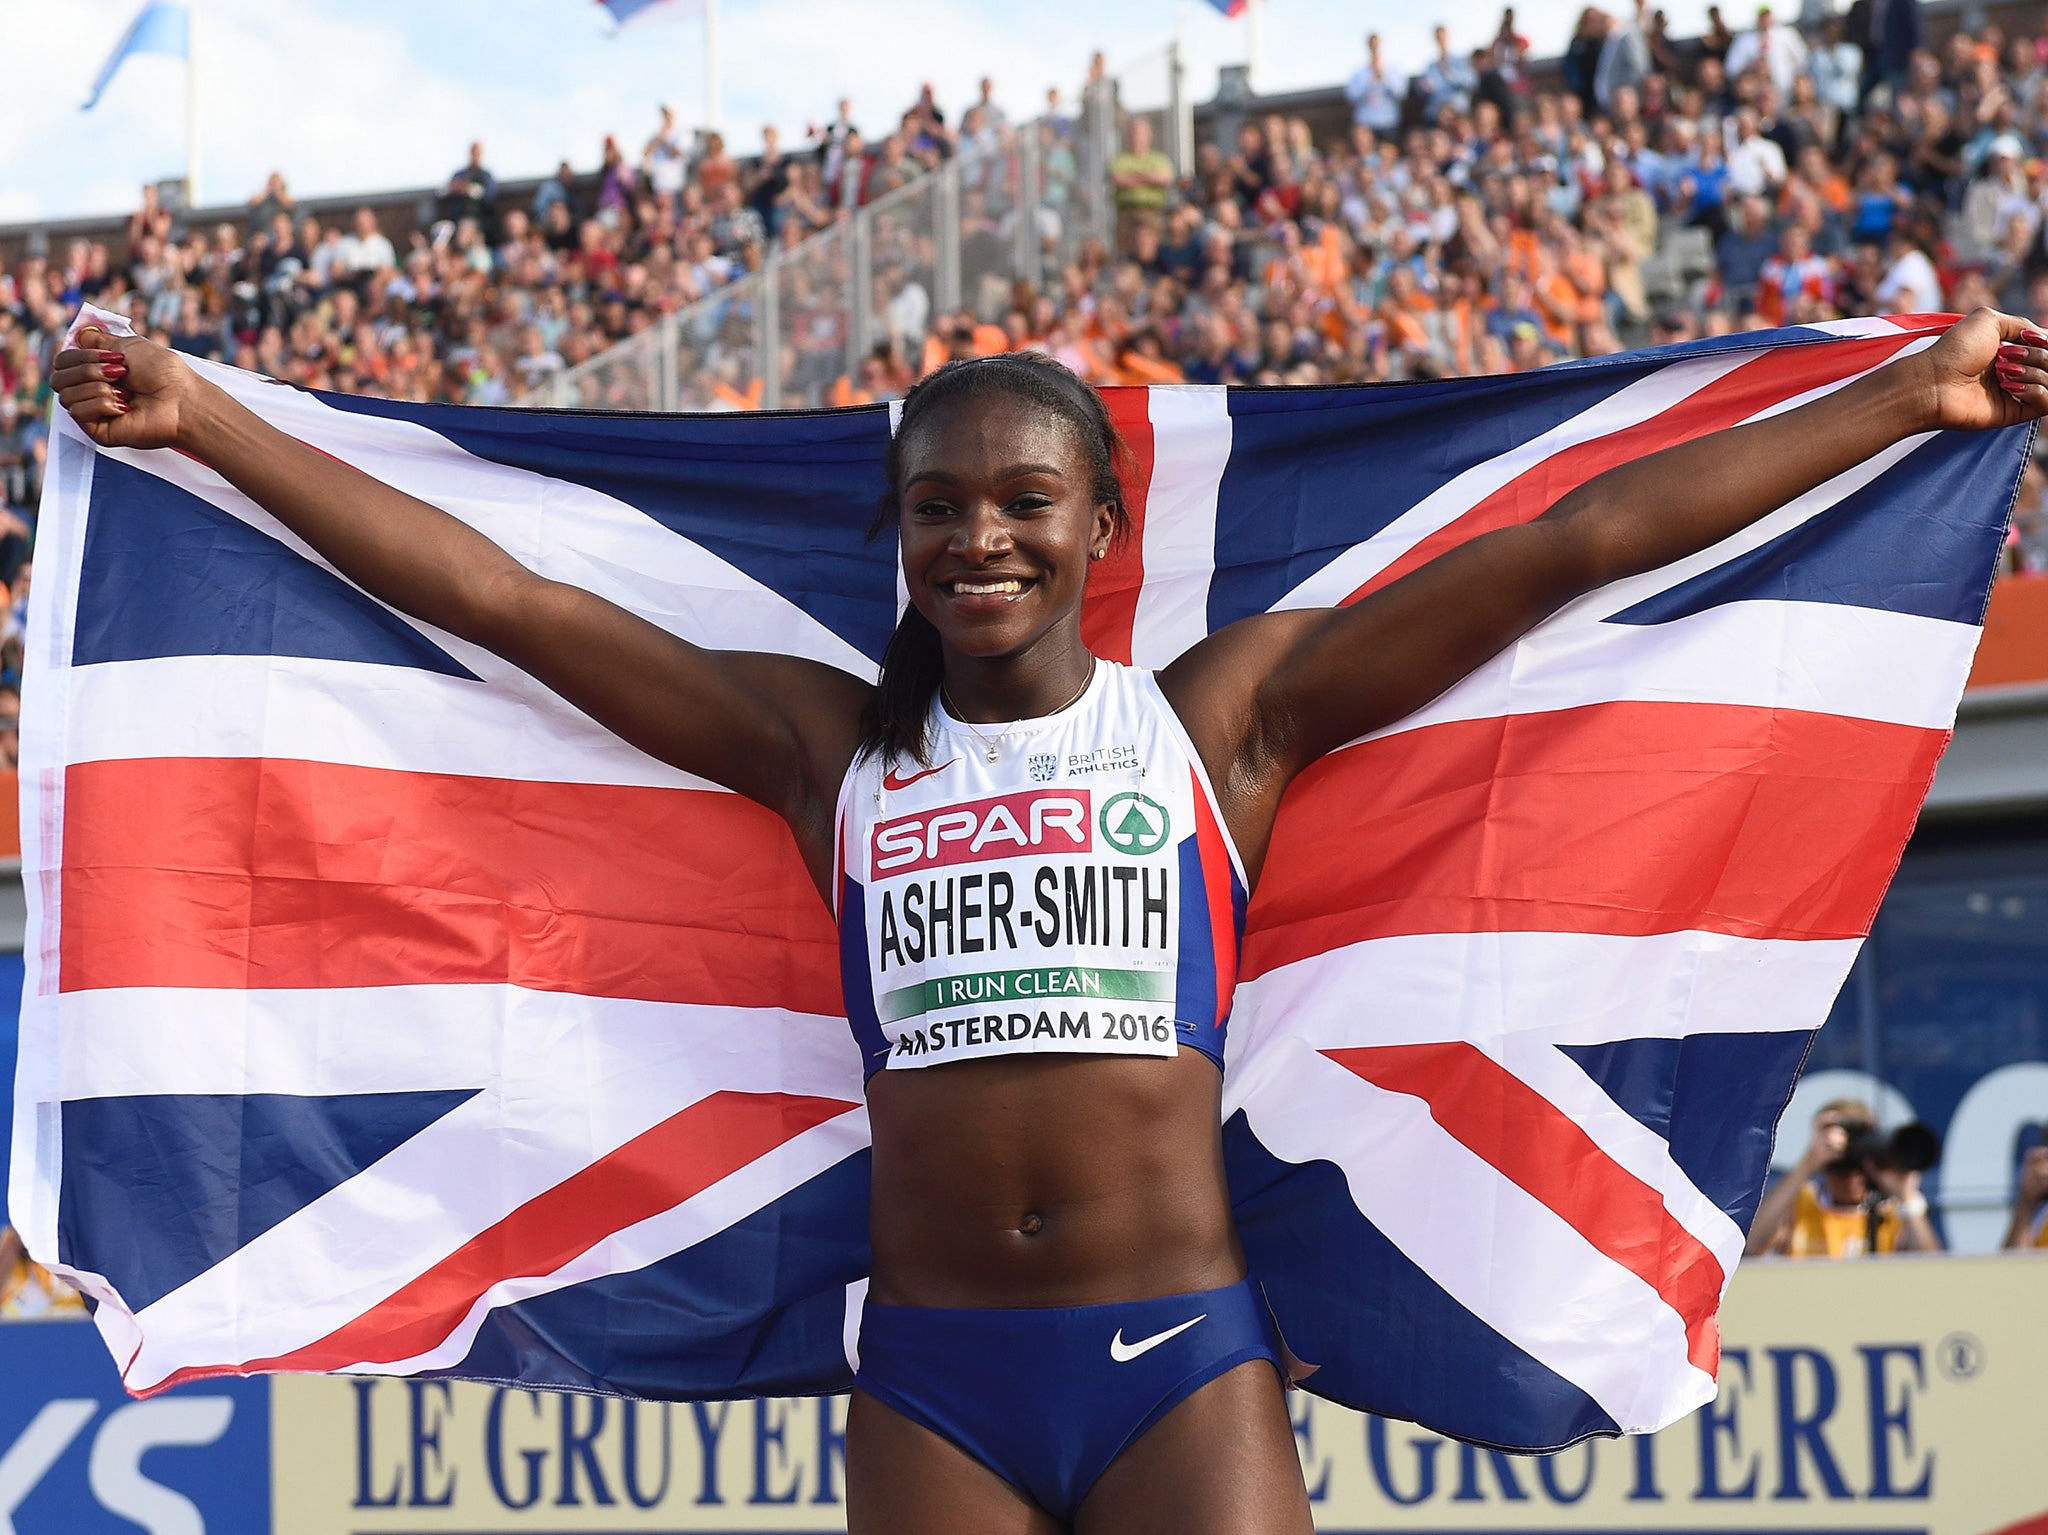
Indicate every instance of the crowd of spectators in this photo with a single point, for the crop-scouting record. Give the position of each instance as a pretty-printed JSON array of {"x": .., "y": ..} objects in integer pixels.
[{"x": 1481, "y": 215}]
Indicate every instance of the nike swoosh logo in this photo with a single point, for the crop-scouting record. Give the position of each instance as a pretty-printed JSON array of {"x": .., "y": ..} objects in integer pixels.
[
  {"x": 890, "y": 779},
  {"x": 1124, "y": 1353}
]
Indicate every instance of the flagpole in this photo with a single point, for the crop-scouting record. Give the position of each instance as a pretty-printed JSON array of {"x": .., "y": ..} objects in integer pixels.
[
  {"x": 1255, "y": 42},
  {"x": 191, "y": 105},
  {"x": 711, "y": 113}
]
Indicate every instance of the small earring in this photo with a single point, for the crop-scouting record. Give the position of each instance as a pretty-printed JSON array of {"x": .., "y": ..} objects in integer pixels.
[{"x": 1096, "y": 554}]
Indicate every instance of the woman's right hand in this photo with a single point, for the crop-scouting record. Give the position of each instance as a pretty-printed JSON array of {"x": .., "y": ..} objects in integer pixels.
[{"x": 125, "y": 392}]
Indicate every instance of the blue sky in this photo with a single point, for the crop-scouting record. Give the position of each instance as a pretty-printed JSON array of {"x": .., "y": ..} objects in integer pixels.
[{"x": 355, "y": 95}]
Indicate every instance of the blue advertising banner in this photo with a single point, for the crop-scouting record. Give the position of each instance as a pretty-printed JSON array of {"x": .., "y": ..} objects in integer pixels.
[{"x": 78, "y": 1456}]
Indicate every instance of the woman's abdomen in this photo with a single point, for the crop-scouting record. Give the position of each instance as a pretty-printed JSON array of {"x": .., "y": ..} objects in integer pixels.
[{"x": 1049, "y": 1181}]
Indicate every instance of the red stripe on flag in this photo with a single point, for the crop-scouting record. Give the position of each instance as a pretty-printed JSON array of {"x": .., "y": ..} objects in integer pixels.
[
  {"x": 1733, "y": 398},
  {"x": 1109, "y": 610},
  {"x": 254, "y": 873},
  {"x": 1619, "y": 818},
  {"x": 655, "y": 1171},
  {"x": 1217, "y": 879},
  {"x": 1534, "y": 1145}
]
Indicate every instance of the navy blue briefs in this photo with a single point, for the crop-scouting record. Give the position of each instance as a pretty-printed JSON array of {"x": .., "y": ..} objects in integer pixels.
[{"x": 1047, "y": 1398}]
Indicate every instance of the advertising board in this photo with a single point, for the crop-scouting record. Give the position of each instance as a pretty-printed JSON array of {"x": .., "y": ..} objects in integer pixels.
[{"x": 1895, "y": 1395}]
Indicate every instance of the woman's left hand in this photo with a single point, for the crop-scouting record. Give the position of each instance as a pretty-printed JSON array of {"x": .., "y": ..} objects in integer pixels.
[{"x": 1988, "y": 370}]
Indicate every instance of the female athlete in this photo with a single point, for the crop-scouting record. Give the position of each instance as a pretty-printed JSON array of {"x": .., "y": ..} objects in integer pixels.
[{"x": 1035, "y": 857}]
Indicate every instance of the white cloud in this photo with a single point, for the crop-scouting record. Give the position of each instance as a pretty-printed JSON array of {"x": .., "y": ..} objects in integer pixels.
[{"x": 358, "y": 95}]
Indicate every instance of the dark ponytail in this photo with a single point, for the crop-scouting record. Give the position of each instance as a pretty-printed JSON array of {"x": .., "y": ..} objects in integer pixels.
[{"x": 897, "y": 721}]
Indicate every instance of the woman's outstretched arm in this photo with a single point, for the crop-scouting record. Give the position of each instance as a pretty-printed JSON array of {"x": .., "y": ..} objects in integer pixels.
[
  {"x": 777, "y": 729},
  {"x": 1267, "y": 696}
]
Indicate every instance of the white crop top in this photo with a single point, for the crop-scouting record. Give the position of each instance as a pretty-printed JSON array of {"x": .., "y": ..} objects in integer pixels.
[{"x": 1060, "y": 884}]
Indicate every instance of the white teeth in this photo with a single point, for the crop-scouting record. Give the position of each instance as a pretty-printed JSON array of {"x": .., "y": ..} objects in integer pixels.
[{"x": 987, "y": 588}]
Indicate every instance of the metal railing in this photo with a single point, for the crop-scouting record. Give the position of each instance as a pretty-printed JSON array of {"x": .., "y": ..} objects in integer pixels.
[{"x": 957, "y": 241}]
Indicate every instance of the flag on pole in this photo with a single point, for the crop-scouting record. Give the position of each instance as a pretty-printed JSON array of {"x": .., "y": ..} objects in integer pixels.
[
  {"x": 628, "y": 12},
  {"x": 386, "y": 1015},
  {"x": 162, "y": 27},
  {"x": 1230, "y": 7}
]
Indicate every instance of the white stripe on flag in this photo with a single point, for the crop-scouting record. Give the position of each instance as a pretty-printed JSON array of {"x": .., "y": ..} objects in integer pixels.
[
  {"x": 753, "y": 1187},
  {"x": 1640, "y": 401},
  {"x": 1816, "y": 657},
  {"x": 1854, "y": 662},
  {"x": 1800, "y": 510},
  {"x": 565, "y": 1080},
  {"x": 309, "y": 1041},
  {"x": 277, "y": 1293},
  {"x": 1460, "y": 1221},
  {"x": 1559, "y": 988},
  {"x": 565, "y": 531},
  {"x": 1190, "y": 447},
  {"x": 1517, "y": 997},
  {"x": 36, "y": 1146},
  {"x": 353, "y": 713}
]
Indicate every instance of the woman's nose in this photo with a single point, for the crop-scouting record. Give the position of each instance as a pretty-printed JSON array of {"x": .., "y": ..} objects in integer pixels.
[{"x": 982, "y": 533}]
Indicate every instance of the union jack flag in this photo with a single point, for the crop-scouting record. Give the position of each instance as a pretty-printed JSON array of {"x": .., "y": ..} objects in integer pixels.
[{"x": 385, "y": 1014}]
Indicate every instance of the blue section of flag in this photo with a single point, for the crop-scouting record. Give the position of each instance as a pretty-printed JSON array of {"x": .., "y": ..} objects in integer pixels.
[
  {"x": 11, "y": 973},
  {"x": 167, "y": 574},
  {"x": 1230, "y": 7},
  {"x": 1715, "y": 1098},
  {"x": 859, "y": 993},
  {"x": 1314, "y": 472},
  {"x": 1194, "y": 1003},
  {"x": 160, "y": 1187},
  {"x": 163, "y": 27},
  {"x": 1915, "y": 540},
  {"x": 1359, "y": 1309},
  {"x": 715, "y": 1320},
  {"x": 788, "y": 499}
]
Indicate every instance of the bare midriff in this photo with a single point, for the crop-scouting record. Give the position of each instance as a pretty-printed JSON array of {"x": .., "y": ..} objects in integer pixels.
[{"x": 1069, "y": 1180}]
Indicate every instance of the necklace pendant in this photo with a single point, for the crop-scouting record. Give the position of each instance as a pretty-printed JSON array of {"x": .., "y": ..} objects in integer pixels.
[{"x": 991, "y": 754}]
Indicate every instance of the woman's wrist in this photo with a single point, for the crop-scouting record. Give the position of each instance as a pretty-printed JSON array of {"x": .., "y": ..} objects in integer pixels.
[
  {"x": 1915, "y": 394},
  {"x": 202, "y": 414}
]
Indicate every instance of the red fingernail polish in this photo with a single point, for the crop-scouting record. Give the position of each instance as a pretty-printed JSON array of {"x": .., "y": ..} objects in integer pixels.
[
  {"x": 114, "y": 369},
  {"x": 111, "y": 357}
]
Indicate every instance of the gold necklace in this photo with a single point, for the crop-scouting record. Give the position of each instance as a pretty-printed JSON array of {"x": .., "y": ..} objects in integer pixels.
[{"x": 991, "y": 745}]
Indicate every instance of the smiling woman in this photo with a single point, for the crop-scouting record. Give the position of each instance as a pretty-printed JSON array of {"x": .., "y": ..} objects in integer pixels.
[
  {"x": 1039, "y": 862},
  {"x": 1023, "y": 429}
]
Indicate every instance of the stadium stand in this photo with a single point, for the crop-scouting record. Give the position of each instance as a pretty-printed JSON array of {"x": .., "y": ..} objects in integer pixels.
[{"x": 1477, "y": 213}]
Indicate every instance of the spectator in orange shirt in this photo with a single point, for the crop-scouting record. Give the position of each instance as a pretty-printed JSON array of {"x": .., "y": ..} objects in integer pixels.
[{"x": 1407, "y": 311}]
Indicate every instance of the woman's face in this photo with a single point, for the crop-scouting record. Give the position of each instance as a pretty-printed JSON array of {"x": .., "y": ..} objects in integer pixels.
[{"x": 997, "y": 525}]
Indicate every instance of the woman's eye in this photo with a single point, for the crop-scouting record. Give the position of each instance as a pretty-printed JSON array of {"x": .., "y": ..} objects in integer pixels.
[{"x": 1030, "y": 503}]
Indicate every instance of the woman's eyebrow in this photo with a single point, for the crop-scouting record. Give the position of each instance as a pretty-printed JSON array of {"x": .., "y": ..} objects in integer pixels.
[{"x": 1012, "y": 472}]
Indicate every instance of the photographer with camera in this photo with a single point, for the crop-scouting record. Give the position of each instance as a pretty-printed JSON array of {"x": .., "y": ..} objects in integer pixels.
[
  {"x": 2029, "y": 1228},
  {"x": 1854, "y": 1193}
]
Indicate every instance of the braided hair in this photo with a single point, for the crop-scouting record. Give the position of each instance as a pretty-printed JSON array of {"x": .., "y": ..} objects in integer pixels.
[{"x": 897, "y": 720}]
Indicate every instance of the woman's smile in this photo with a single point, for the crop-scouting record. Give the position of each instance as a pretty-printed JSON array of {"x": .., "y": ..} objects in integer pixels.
[{"x": 973, "y": 596}]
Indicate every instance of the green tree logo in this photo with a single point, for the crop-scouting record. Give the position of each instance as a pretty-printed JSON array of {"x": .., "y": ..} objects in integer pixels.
[{"x": 1133, "y": 824}]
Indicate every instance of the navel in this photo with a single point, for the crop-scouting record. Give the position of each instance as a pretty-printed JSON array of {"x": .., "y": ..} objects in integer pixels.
[{"x": 1032, "y": 1224}]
